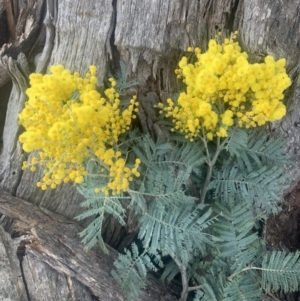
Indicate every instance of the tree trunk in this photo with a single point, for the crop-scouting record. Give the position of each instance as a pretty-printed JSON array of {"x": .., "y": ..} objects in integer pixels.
[
  {"x": 149, "y": 37},
  {"x": 54, "y": 252}
]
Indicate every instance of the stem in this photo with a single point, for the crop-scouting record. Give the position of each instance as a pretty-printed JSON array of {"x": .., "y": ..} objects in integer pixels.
[
  {"x": 211, "y": 163},
  {"x": 97, "y": 175},
  {"x": 184, "y": 278},
  {"x": 129, "y": 140},
  {"x": 94, "y": 158},
  {"x": 194, "y": 288},
  {"x": 243, "y": 270}
]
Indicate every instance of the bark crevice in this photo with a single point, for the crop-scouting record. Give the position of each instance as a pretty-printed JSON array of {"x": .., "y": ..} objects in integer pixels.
[
  {"x": 20, "y": 254},
  {"x": 232, "y": 15}
]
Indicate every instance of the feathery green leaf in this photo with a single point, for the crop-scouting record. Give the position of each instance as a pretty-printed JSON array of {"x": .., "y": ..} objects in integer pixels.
[{"x": 281, "y": 271}]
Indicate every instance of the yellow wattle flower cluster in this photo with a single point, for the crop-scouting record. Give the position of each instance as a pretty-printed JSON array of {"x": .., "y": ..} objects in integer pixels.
[
  {"x": 224, "y": 89},
  {"x": 68, "y": 121}
]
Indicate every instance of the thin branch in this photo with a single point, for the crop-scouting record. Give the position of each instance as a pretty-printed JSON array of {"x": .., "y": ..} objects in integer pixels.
[
  {"x": 211, "y": 163},
  {"x": 194, "y": 288},
  {"x": 129, "y": 140},
  {"x": 184, "y": 277},
  {"x": 244, "y": 270}
]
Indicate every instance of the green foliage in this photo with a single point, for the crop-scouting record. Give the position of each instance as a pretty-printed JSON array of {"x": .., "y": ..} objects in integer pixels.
[
  {"x": 170, "y": 271},
  {"x": 281, "y": 271},
  {"x": 263, "y": 186},
  {"x": 165, "y": 172},
  {"x": 214, "y": 245},
  {"x": 175, "y": 230},
  {"x": 243, "y": 288},
  {"x": 97, "y": 205},
  {"x": 254, "y": 171},
  {"x": 253, "y": 148},
  {"x": 131, "y": 270},
  {"x": 239, "y": 243},
  {"x": 121, "y": 79},
  {"x": 198, "y": 196}
]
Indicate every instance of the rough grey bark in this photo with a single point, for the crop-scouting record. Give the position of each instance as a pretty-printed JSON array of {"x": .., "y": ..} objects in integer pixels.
[
  {"x": 11, "y": 284},
  {"x": 272, "y": 27},
  {"x": 12, "y": 155},
  {"x": 149, "y": 37},
  {"x": 56, "y": 265}
]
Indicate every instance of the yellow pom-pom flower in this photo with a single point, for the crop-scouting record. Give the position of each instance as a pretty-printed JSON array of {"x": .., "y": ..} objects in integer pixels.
[
  {"x": 224, "y": 89},
  {"x": 67, "y": 121}
]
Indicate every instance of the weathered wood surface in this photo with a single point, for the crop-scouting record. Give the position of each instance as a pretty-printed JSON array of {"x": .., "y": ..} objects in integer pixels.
[
  {"x": 51, "y": 240},
  {"x": 11, "y": 284},
  {"x": 12, "y": 155},
  {"x": 150, "y": 37}
]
